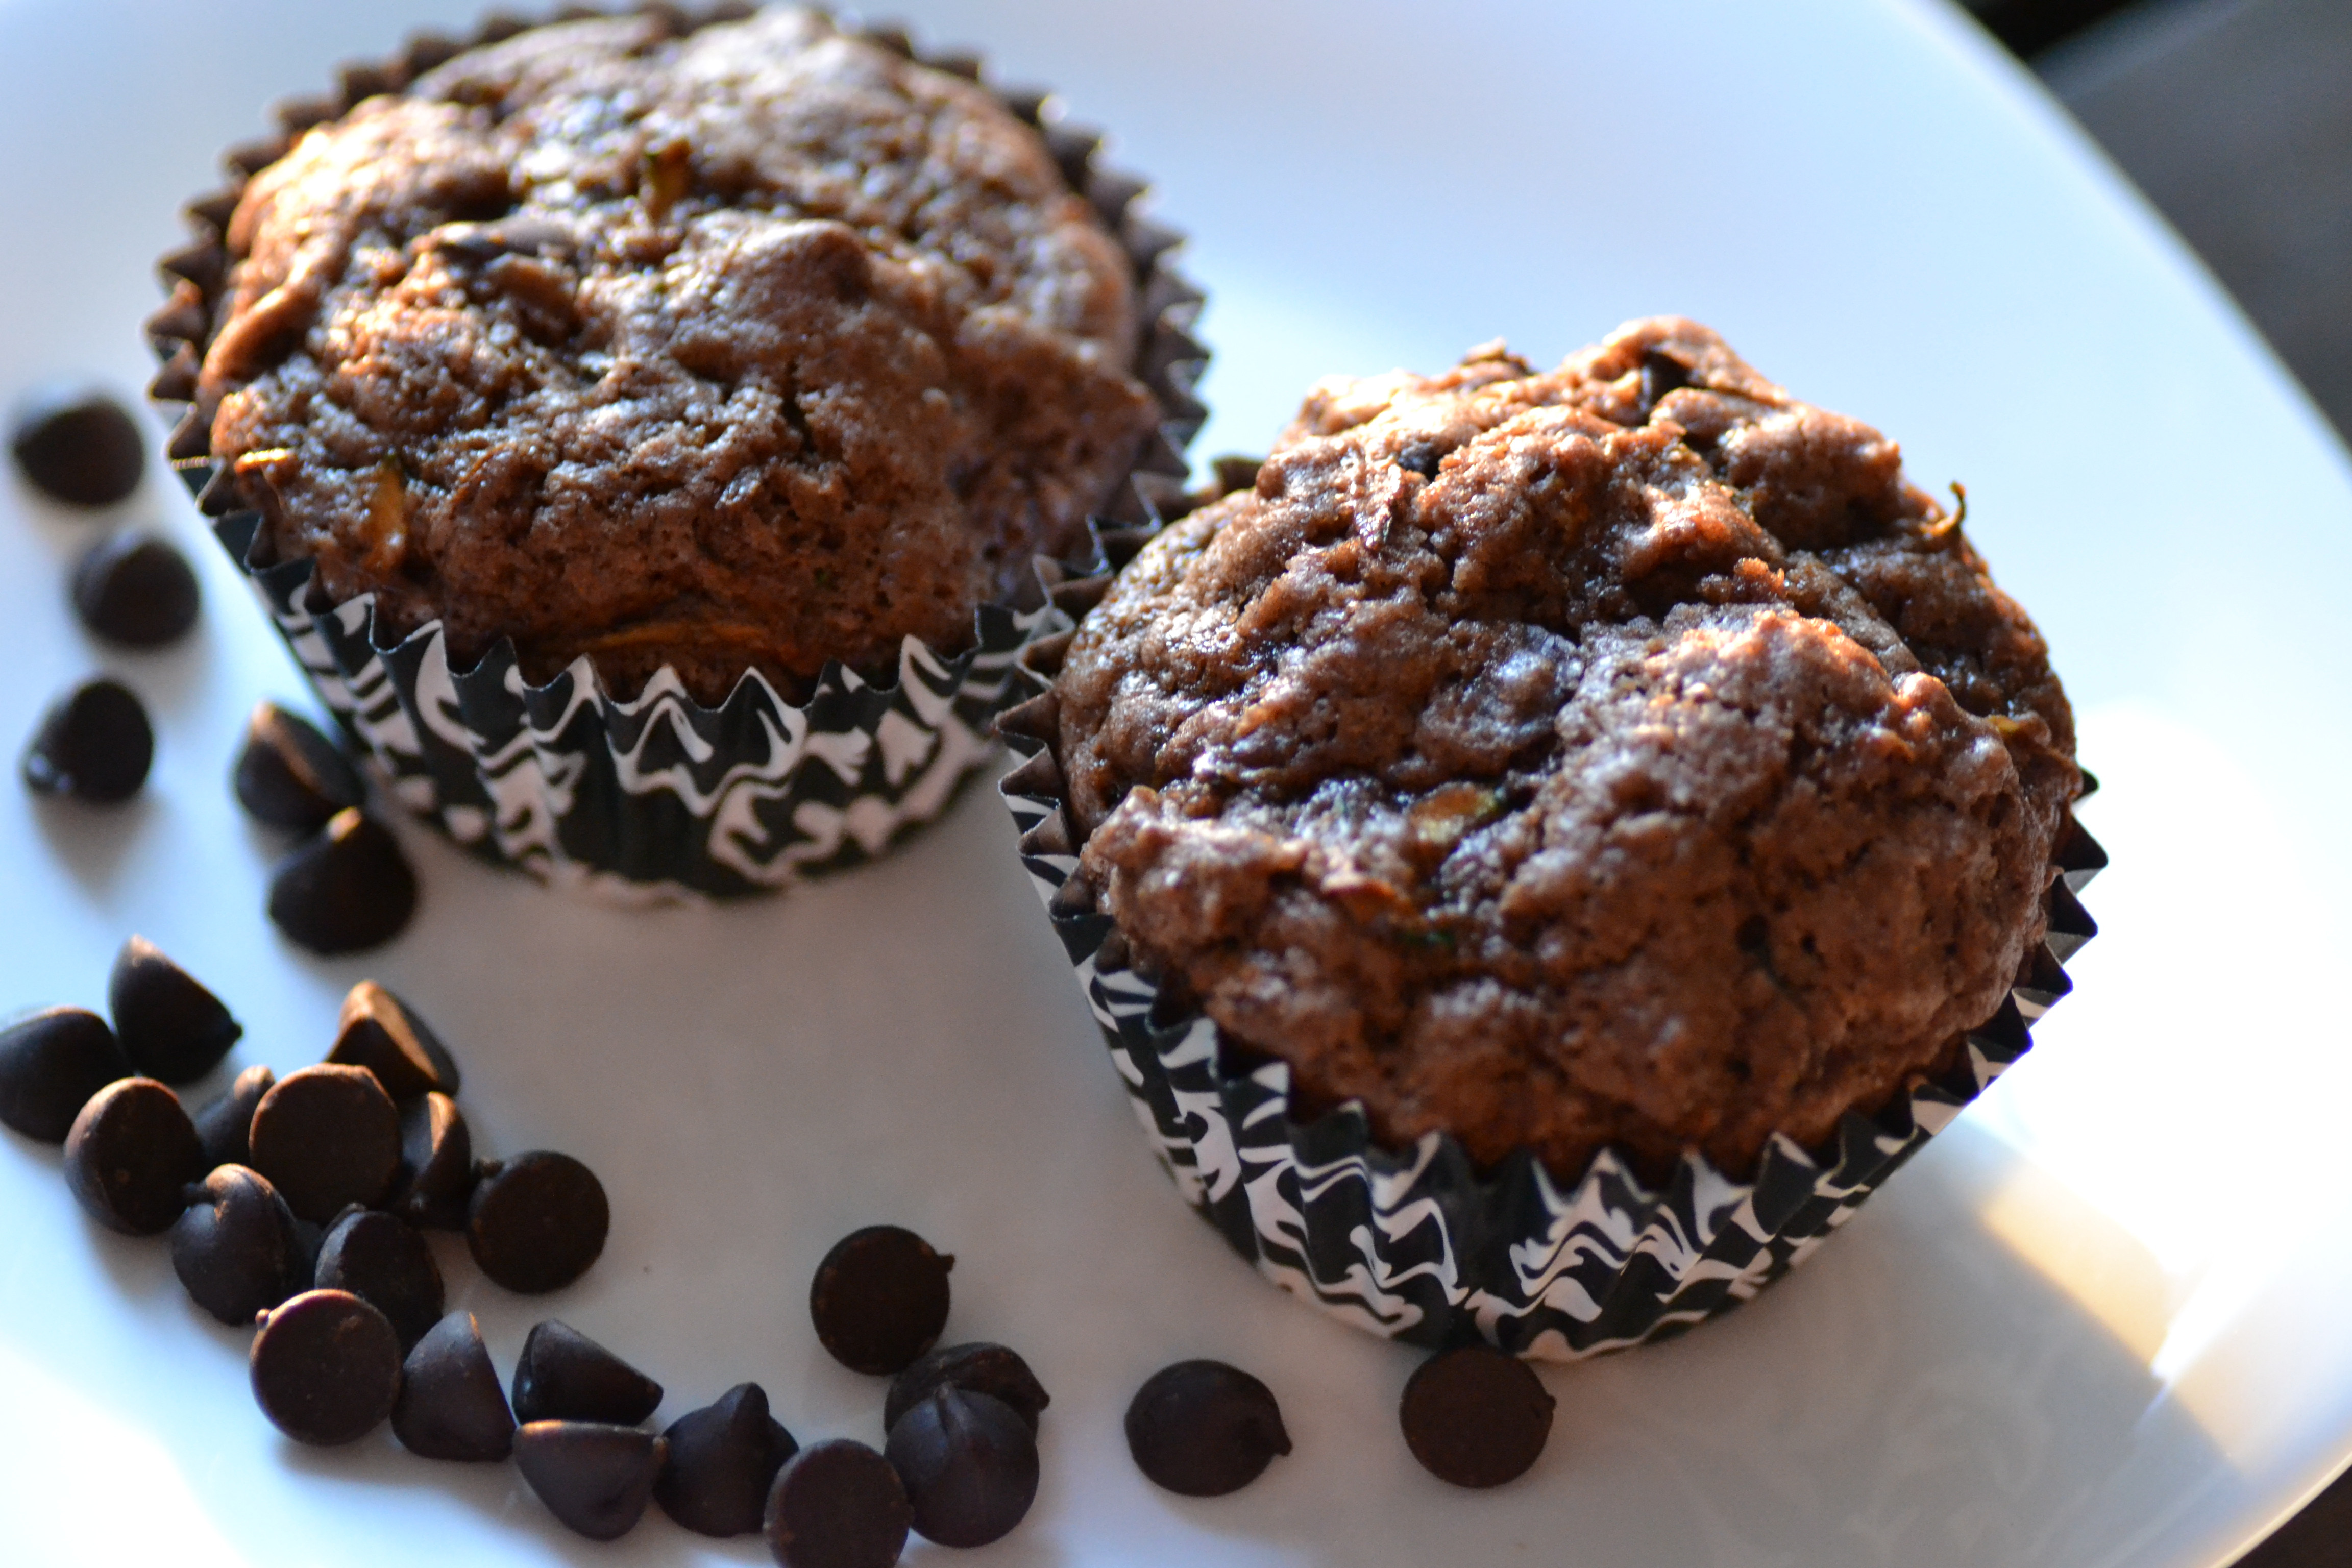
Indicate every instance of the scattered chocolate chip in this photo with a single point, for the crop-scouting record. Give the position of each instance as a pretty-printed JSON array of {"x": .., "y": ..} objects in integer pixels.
[
  {"x": 1201, "y": 1428},
  {"x": 969, "y": 1466},
  {"x": 596, "y": 1478},
  {"x": 290, "y": 774},
  {"x": 131, "y": 1155},
  {"x": 722, "y": 1459},
  {"x": 236, "y": 1249},
  {"x": 225, "y": 1126},
  {"x": 536, "y": 1222},
  {"x": 385, "y": 1263},
  {"x": 1474, "y": 1416},
  {"x": 450, "y": 1405},
  {"x": 170, "y": 1027},
  {"x": 880, "y": 1298},
  {"x": 380, "y": 1032},
  {"x": 1235, "y": 473},
  {"x": 989, "y": 1369},
  {"x": 328, "y": 1136},
  {"x": 1662, "y": 373},
  {"x": 1420, "y": 457},
  {"x": 50, "y": 1064},
  {"x": 325, "y": 1368},
  {"x": 837, "y": 1504},
  {"x": 349, "y": 890},
  {"x": 135, "y": 589},
  {"x": 94, "y": 744},
  {"x": 437, "y": 1164},
  {"x": 564, "y": 1375},
  {"x": 77, "y": 446}
]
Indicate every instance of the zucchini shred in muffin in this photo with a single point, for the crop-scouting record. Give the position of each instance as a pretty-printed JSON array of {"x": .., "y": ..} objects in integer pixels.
[
  {"x": 644, "y": 427},
  {"x": 1619, "y": 758}
]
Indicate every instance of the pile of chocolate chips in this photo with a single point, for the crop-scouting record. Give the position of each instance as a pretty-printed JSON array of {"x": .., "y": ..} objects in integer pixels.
[{"x": 345, "y": 886}]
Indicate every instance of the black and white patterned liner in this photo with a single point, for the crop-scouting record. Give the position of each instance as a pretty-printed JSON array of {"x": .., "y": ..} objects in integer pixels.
[
  {"x": 659, "y": 797},
  {"x": 1420, "y": 1245}
]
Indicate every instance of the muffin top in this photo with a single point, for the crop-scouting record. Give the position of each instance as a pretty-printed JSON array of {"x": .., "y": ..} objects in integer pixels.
[
  {"x": 758, "y": 346},
  {"x": 1623, "y": 755}
]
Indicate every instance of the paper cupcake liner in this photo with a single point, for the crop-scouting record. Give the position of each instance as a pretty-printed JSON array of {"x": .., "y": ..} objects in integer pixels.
[
  {"x": 659, "y": 796},
  {"x": 1421, "y": 1245}
]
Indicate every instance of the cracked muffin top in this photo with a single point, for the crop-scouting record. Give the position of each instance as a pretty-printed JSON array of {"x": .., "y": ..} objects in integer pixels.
[
  {"x": 1624, "y": 756},
  {"x": 756, "y": 346}
]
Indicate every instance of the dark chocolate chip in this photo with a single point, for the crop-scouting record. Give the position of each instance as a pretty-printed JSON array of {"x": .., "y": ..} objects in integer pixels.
[
  {"x": 536, "y": 1222},
  {"x": 1420, "y": 457},
  {"x": 328, "y": 1136},
  {"x": 564, "y": 1375},
  {"x": 880, "y": 1298},
  {"x": 1662, "y": 373},
  {"x": 969, "y": 1466},
  {"x": 1474, "y": 1416},
  {"x": 437, "y": 1164},
  {"x": 325, "y": 1368},
  {"x": 236, "y": 1249},
  {"x": 50, "y": 1064},
  {"x": 94, "y": 744},
  {"x": 290, "y": 774},
  {"x": 450, "y": 1405},
  {"x": 1202, "y": 1429},
  {"x": 169, "y": 1025},
  {"x": 135, "y": 589},
  {"x": 78, "y": 446},
  {"x": 347, "y": 890},
  {"x": 982, "y": 1368},
  {"x": 132, "y": 1156},
  {"x": 380, "y": 1032},
  {"x": 225, "y": 1126},
  {"x": 383, "y": 1261},
  {"x": 1236, "y": 473},
  {"x": 722, "y": 1459},
  {"x": 837, "y": 1504},
  {"x": 596, "y": 1478}
]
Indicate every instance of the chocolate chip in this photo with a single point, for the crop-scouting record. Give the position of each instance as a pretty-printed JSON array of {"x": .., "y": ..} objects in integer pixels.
[
  {"x": 78, "y": 446},
  {"x": 837, "y": 1504},
  {"x": 450, "y": 1405},
  {"x": 1235, "y": 472},
  {"x": 325, "y": 1368},
  {"x": 50, "y": 1064},
  {"x": 564, "y": 1375},
  {"x": 225, "y": 1126},
  {"x": 880, "y": 1298},
  {"x": 595, "y": 1478},
  {"x": 380, "y": 1032},
  {"x": 170, "y": 1027},
  {"x": 1661, "y": 373},
  {"x": 348, "y": 889},
  {"x": 437, "y": 1164},
  {"x": 94, "y": 744},
  {"x": 1474, "y": 1416},
  {"x": 290, "y": 774},
  {"x": 722, "y": 1459},
  {"x": 385, "y": 1263},
  {"x": 135, "y": 589},
  {"x": 1201, "y": 1428},
  {"x": 1420, "y": 457},
  {"x": 236, "y": 1249},
  {"x": 536, "y": 1222},
  {"x": 982, "y": 1368},
  {"x": 131, "y": 1155},
  {"x": 328, "y": 1136},
  {"x": 969, "y": 1466}
]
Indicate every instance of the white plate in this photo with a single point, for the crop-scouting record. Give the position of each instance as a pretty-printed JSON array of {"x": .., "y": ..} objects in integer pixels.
[{"x": 2101, "y": 1320}]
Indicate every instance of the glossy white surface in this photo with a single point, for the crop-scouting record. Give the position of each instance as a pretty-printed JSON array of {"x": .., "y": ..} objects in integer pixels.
[{"x": 2100, "y": 1321}]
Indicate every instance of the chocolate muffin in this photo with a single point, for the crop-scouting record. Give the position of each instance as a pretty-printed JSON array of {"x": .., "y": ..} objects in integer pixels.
[
  {"x": 1623, "y": 756},
  {"x": 748, "y": 345}
]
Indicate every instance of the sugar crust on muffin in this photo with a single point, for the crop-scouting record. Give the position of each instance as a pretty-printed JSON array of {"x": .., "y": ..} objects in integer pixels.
[
  {"x": 760, "y": 346},
  {"x": 1624, "y": 756}
]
